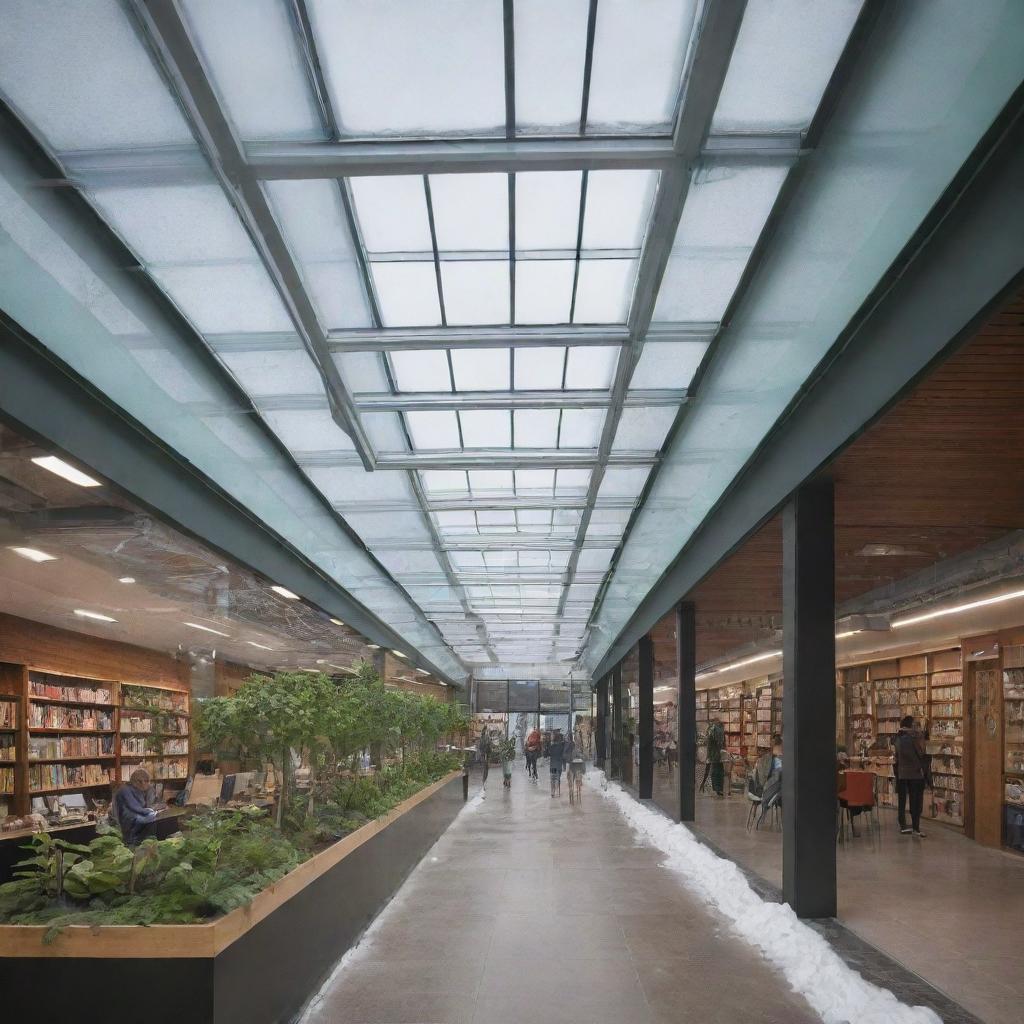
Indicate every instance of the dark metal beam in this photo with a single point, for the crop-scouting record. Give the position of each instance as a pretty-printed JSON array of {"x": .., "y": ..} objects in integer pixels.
[
  {"x": 686, "y": 707},
  {"x": 809, "y": 701},
  {"x": 966, "y": 258},
  {"x": 601, "y": 724},
  {"x": 483, "y": 458},
  {"x": 617, "y": 721}
]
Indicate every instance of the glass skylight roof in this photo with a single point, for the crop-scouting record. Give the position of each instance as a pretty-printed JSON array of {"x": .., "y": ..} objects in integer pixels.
[{"x": 486, "y": 249}]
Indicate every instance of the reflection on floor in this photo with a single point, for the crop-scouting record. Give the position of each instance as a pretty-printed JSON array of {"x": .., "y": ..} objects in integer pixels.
[
  {"x": 530, "y": 909},
  {"x": 945, "y": 907}
]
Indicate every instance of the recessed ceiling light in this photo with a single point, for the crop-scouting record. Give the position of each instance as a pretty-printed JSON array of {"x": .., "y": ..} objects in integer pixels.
[
  {"x": 423, "y": 672},
  {"x": 68, "y": 472},
  {"x": 126, "y": 579},
  {"x": 262, "y": 647},
  {"x": 398, "y": 654},
  {"x": 34, "y": 554},
  {"x": 1013, "y": 595},
  {"x": 374, "y": 647},
  {"x": 206, "y": 629},
  {"x": 338, "y": 622},
  {"x": 82, "y": 613},
  {"x": 284, "y": 592}
]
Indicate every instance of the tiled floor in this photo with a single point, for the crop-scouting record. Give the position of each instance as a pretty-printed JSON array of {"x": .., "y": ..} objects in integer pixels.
[
  {"x": 948, "y": 909},
  {"x": 530, "y": 909}
]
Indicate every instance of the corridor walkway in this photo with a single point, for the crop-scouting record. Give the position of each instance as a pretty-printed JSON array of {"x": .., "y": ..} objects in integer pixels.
[{"x": 528, "y": 909}]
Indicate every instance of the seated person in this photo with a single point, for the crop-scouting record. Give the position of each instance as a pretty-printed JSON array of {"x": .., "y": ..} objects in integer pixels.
[{"x": 134, "y": 817}]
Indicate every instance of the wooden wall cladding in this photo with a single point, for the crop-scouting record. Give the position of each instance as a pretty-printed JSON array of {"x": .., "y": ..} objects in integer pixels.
[{"x": 49, "y": 649}]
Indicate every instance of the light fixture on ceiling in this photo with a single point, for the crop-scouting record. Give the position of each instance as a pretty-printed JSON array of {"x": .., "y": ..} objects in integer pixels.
[
  {"x": 1013, "y": 595},
  {"x": 34, "y": 554},
  {"x": 262, "y": 647},
  {"x": 374, "y": 647},
  {"x": 284, "y": 592},
  {"x": 338, "y": 622},
  {"x": 398, "y": 654},
  {"x": 126, "y": 579},
  {"x": 82, "y": 613},
  {"x": 206, "y": 629},
  {"x": 66, "y": 471},
  {"x": 423, "y": 672},
  {"x": 740, "y": 664},
  {"x": 848, "y": 632}
]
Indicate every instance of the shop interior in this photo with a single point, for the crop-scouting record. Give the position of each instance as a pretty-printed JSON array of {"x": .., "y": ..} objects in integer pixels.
[
  {"x": 113, "y": 625},
  {"x": 930, "y": 623}
]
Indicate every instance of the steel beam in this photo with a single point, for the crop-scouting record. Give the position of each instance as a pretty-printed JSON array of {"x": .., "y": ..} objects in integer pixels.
[
  {"x": 686, "y": 708},
  {"x": 809, "y": 701},
  {"x": 601, "y": 724},
  {"x": 618, "y": 717},
  {"x": 165, "y": 28},
  {"x": 645, "y": 718},
  {"x": 483, "y": 458}
]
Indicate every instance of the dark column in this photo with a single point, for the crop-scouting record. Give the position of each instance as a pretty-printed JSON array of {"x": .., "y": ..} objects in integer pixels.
[
  {"x": 645, "y": 724},
  {"x": 809, "y": 702},
  {"x": 601, "y": 722},
  {"x": 617, "y": 716},
  {"x": 686, "y": 708}
]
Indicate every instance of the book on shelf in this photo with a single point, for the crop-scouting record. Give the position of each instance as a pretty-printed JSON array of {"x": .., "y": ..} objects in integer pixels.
[
  {"x": 68, "y": 688},
  {"x": 57, "y": 716},
  {"x": 64, "y": 776},
  {"x": 43, "y": 747},
  {"x": 159, "y": 769},
  {"x": 8, "y": 713},
  {"x": 136, "y": 695}
]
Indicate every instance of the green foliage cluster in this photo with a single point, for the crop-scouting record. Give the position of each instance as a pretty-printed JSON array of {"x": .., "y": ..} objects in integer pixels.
[
  {"x": 327, "y": 724},
  {"x": 222, "y": 861}
]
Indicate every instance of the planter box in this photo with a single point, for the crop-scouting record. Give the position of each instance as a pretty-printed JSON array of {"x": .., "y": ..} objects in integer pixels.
[{"x": 257, "y": 965}]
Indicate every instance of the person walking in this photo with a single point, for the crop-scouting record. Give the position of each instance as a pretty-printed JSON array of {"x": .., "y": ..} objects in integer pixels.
[
  {"x": 911, "y": 770},
  {"x": 556, "y": 761},
  {"x": 532, "y": 748},
  {"x": 483, "y": 747},
  {"x": 715, "y": 743}
]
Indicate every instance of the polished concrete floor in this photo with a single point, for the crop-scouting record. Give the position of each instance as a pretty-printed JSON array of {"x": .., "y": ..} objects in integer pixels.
[
  {"x": 948, "y": 909},
  {"x": 529, "y": 909}
]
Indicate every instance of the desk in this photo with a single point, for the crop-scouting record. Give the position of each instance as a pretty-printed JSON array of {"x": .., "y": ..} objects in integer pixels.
[{"x": 11, "y": 843}]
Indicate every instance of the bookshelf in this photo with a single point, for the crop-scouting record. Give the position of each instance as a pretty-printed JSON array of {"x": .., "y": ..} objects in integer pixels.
[{"x": 63, "y": 733}]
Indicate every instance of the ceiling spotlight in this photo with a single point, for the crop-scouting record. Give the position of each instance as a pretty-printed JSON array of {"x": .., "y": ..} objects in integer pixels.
[
  {"x": 83, "y": 614},
  {"x": 206, "y": 629},
  {"x": 262, "y": 647},
  {"x": 284, "y": 592},
  {"x": 398, "y": 654},
  {"x": 126, "y": 579},
  {"x": 338, "y": 622},
  {"x": 34, "y": 554},
  {"x": 68, "y": 472},
  {"x": 423, "y": 672},
  {"x": 374, "y": 647}
]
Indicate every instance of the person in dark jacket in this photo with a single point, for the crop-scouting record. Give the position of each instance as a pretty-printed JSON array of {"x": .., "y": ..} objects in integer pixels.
[
  {"x": 134, "y": 817},
  {"x": 715, "y": 743},
  {"x": 556, "y": 761},
  {"x": 909, "y": 767}
]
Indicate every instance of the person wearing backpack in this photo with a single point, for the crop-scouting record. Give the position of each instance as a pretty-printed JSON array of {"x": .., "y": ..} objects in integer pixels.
[{"x": 911, "y": 770}]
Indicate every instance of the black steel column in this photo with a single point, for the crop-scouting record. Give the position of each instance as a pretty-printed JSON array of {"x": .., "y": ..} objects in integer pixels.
[
  {"x": 686, "y": 707},
  {"x": 617, "y": 743},
  {"x": 601, "y": 722},
  {"x": 645, "y": 724},
  {"x": 809, "y": 702}
]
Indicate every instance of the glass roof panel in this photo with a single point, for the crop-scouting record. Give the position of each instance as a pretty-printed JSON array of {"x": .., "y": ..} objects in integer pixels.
[
  {"x": 539, "y": 369},
  {"x": 280, "y": 372},
  {"x": 644, "y": 428},
  {"x": 236, "y": 36},
  {"x": 486, "y": 428},
  {"x": 444, "y": 481},
  {"x": 572, "y": 482},
  {"x": 784, "y": 56},
  {"x": 483, "y": 482},
  {"x": 407, "y": 68},
  {"x": 421, "y": 370},
  {"x": 581, "y": 428},
  {"x": 623, "y": 482},
  {"x": 604, "y": 291},
  {"x": 433, "y": 430},
  {"x": 544, "y": 291},
  {"x": 313, "y": 221},
  {"x": 591, "y": 367},
  {"x": 476, "y": 291},
  {"x": 362, "y": 372},
  {"x": 536, "y": 428},
  {"x": 392, "y": 213},
  {"x": 407, "y": 294},
  {"x": 547, "y": 209},
  {"x": 79, "y": 75},
  {"x": 456, "y": 520},
  {"x": 308, "y": 430},
  {"x": 725, "y": 212},
  {"x": 618, "y": 208},
  {"x": 353, "y": 485},
  {"x": 385, "y": 431},
  {"x": 481, "y": 369},
  {"x": 595, "y": 559},
  {"x": 535, "y": 481},
  {"x": 551, "y": 44},
  {"x": 667, "y": 364},
  {"x": 639, "y": 50},
  {"x": 470, "y": 211}
]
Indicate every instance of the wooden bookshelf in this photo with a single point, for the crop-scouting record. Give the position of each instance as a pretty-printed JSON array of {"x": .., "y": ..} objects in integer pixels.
[{"x": 153, "y": 705}]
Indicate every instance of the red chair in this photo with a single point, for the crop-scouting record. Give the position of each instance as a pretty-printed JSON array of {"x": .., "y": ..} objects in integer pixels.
[{"x": 858, "y": 794}]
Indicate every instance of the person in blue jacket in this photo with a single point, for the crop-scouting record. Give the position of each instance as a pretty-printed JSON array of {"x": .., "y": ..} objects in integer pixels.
[{"x": 134, "y": 817}]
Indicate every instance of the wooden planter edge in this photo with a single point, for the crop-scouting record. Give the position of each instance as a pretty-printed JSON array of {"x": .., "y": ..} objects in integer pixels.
[{"x": 209, "y": 938}]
